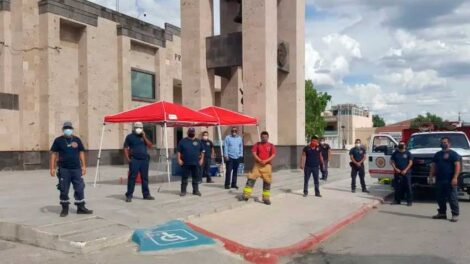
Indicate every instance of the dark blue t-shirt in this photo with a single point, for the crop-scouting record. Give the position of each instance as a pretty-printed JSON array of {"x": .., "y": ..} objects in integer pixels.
[
  {"x": 325, "y": 149},
  {"x": 137, "y": 147},
  {"x": 208, "y": 146},
  {"x": 312, "y": 156},
  {"x": 190, "y": 150},
  {"x": 357, "y": 153},
  {"x": 69, "y": 151},
  {"x": 445, "y": 165},
  {"x": 401, "y": 159}
]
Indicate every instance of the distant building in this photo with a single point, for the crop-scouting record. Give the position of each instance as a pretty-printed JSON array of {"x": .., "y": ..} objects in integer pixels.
[
  {"x": 347, "y": 122},
  {"x": 394, "y": 130}
]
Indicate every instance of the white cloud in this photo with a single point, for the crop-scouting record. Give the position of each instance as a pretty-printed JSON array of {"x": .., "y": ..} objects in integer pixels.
[
  {"x": 413, "y": 82},
  {"x": 374, "y": 97}
]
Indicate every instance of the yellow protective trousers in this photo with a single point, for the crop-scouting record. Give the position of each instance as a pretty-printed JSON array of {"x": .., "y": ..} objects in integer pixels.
[{"x": 263, "y": 171}]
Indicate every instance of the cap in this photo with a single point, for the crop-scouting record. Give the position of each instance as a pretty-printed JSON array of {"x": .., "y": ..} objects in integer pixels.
[
  {"x": 138, "y": 125},
  {"x": 67, "y": 124},
  {"x": 191, "y": 129}
]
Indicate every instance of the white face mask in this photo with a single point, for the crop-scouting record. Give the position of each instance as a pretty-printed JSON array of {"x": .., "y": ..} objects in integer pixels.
[
  {"x": 358, "y": 145},
  {"x": 138, "y": 131},
  {"x": 322, "y": 142},
  {"x": 205, "y": 137}
]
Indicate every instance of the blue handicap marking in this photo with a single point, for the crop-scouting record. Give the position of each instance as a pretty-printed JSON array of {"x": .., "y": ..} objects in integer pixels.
[{"x": 171, "y": 235}]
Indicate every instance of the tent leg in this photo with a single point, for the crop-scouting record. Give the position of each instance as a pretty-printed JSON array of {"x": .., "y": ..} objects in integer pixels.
[
  {"x": 99, "y": 156},
  {"x": 221, "y": 150},
  {"x": 257, "y": 129},
  {"x": 167, "y": 154}
]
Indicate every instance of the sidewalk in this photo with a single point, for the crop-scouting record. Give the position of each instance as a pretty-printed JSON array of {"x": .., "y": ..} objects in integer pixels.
[{"x": 29, "y": 213}]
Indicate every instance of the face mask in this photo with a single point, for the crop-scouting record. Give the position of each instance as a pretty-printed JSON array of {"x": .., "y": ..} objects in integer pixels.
[
  {"x": 68, "y": 132},
  {"x": 444, "y": 146},
  {"x": 314, "y": 144},
  {"x": 205, "y": 137},
  {"x": 322, "y": 142},
  {"x": 264, "y": 140},
  {"x": 234, "y": 133},
  {"x": 138, "y": 131},
  {"x": 191, "y": 135},
  {"x": 358, "y": 145}
]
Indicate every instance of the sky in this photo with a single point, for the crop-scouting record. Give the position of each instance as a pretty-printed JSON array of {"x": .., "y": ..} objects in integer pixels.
[{"x": 398, "y": 58}]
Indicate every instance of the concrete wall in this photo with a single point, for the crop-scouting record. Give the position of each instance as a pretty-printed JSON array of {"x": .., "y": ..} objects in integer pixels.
[{"x": 72, "y": 60}]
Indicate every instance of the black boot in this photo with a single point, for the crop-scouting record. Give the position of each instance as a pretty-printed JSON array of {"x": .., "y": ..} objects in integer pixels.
[
  {"x": 65, "y": 210},
  {"x": 81, "y": 209}
]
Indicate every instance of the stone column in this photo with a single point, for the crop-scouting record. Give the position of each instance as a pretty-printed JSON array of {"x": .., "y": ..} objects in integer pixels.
[
  {"x": 196, "y": 26},
  {"x": 291, "y": 90},
  {"x": 164, "y": 92},
  {"x": 124, "y": 82},
  {"x": 260, "y": 65}
]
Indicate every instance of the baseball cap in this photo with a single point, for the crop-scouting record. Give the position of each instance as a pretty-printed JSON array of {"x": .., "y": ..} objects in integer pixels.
[
  {"x": 67, "y": 124},
  {"x": 191, "y": 129},
  {"x": 138, "y": 125}
]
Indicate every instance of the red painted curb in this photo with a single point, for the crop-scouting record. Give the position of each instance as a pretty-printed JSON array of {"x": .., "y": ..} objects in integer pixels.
[{"x": 271, "y": 255}]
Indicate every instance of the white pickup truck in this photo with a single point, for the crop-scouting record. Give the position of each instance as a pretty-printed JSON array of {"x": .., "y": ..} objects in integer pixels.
[{"x": 422, "y": 146}]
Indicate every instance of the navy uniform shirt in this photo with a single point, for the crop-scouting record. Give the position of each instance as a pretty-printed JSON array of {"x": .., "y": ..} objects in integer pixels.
[
  {"x": 208, "y": 146},
  {"x": 190, "y": 151},
  {"x": 312, "y": 156},
  {"x": 69, "y": 151},
  {"x": 325, "y": 148},
  {"x": 401, "y": 159},
  {"x": 357, "y": 153},
  {"x": 137, "y": 147},
  {"x": 445, "y": 165}
]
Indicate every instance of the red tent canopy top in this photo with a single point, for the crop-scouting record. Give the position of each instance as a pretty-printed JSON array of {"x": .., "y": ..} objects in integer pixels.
[
  {"x": 163, "y": 112},
  {"x": 227, "y": 117}
]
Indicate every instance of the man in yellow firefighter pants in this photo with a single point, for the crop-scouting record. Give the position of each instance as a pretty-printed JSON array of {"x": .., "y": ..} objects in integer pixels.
[{"x": 263, "y": 152}]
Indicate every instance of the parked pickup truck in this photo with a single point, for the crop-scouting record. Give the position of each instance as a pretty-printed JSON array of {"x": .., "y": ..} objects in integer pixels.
[{"x": 422, "y": 146}]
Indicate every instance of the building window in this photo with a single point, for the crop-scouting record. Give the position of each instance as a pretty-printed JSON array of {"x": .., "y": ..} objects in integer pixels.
[
  {"x": 143, "y": 85},
  {"x": 151, "y": 132}
]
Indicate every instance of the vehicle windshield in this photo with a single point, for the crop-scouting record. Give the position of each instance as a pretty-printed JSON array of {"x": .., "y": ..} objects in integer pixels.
[{"x": 434, "y": 141}]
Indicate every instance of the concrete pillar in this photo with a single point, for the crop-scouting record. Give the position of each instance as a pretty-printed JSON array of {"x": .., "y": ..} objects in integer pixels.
[
  {"x": 260, "y": 65},
  {"x": 230, "y": 95},
  {"x": 228, "y": 11},
  {"x": 291, "y": 90},
  {"x": 164, "y": 92},
  {"x": 124, "y": 83},
  {"x": 196, "y": 26}
]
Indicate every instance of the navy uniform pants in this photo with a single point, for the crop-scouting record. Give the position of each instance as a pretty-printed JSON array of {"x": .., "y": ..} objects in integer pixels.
[
  {"x": 354, "y": 172},
  {"x": 232, "y": 172},
  {"x": 193, "y": 171},
  {"x": 402, "y": 186},
  {"x": 74, "y": 177},
  {"x": 324, "y": 170},
  {"x": 136, "y": 166},
  {"x": 205, "y": 169},
  {"x": 445, "y": 193},
  {"x": 309, "y": 171}
]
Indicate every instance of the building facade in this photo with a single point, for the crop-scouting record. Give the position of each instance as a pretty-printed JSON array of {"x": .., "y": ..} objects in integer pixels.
[
  {"x": 78, "y": 61},
  {"x": 73, "y": 60},
  {"x": 347, "y": 122}
]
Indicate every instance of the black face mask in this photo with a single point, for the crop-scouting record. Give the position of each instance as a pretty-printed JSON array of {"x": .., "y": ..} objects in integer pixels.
[
  {"x": 401, "y": 146},
  {"x": 191, "y": 135}
]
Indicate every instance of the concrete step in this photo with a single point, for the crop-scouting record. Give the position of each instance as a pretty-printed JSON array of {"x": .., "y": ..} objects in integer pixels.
[{"x": 77, "y": 236}]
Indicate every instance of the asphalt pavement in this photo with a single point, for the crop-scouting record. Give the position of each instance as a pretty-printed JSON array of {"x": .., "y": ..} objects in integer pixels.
[{"x": 398, "y": 234}]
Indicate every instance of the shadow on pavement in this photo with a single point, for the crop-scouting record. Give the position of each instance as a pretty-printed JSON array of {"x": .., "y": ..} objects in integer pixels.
[
  {"x": 407, "y": 215},
  {"x": 324, "y": 257},
  {"x": 51, "y": 209}
]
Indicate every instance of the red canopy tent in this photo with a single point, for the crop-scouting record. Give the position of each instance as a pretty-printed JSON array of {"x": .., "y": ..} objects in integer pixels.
[
  {"x": 226, "y": 117},
  {"x": 164, "y": 113}
]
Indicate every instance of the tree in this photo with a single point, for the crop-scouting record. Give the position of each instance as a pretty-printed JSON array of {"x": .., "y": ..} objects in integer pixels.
[
  {"x": 429, "y": 118},
  {"x": 378, "y": 121},
  {"x": 315, "y": 105}
]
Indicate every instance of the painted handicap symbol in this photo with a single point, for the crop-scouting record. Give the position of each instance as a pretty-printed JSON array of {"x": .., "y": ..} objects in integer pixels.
[{"x": 171, "y": 235}]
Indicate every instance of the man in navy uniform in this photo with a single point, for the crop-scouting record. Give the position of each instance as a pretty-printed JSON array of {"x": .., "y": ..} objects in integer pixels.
[
  {"x": 358, "y": 156},
  {"x": 190, "y": 157},
  {"x": 402, "y": 162},
  {"x": 446, "y": 169},
  {"x": 69, "y": 152},
  {"x": 209, "y": 154},
  {"x": 311, "y": 161},
  {"x": 135, "y": 152},
  {"x": 326, "y": 155}
]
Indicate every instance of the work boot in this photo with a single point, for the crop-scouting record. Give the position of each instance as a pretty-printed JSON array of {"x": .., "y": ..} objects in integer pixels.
[
  {"x": 81, "y": 209},
  {"x": 128, "y": 199},
  {"x": 454, "y": 219},
  {"x": 353, "y": 190},
  {"x": 266, "y": 201},
  {"x": 305, "y": 194},
  {"x": 395, "y": 203},
  {"x": 65, "y": 210},
  {"x": 209, "y": 180},
  {"x": 318, "y": 195},
  {"x": 198, "y": 193},
  {"x": 365, "y": 191},
  {"x": 182, "y": 194},
  {"x": 440, "y": 216},
  {"x": 243, "y": 198},
  {"x": 149, "y": 197}
]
